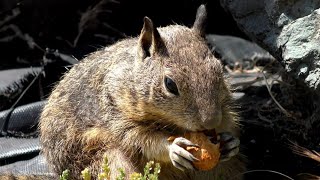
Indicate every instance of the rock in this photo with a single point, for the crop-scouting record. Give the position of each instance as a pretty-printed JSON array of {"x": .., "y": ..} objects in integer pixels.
[
  {"x": 234, "y": 50},
  {"x": 289, "y": 30}
]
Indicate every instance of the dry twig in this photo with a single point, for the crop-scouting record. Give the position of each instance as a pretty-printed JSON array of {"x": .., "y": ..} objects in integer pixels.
[
  {"x": 15, "y": 13},
  {"x": 274, "y": 99},
  {"x": 302, "y": 151},
  {"x": 18, "y": 33}
]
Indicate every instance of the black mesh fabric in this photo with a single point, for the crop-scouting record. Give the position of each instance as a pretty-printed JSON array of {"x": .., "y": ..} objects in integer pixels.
[
  {"x": 12, "y": 147},
  {"x": 34, "y": 166},
  {"x": 18, "y": 155},
  {"x": 9, "y": 78},
  {"x": 24, "y": 118}
]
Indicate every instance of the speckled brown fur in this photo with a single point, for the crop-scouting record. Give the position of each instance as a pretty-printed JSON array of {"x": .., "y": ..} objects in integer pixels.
[{"x": 114, "y": 102}]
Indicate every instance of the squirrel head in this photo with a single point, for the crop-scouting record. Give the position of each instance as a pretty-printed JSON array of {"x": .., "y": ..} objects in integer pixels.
[{"x": 178, "y": 79}]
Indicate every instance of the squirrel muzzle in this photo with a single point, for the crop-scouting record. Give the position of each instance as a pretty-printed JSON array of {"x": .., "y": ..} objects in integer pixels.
[{"x": 211, "y": 119}]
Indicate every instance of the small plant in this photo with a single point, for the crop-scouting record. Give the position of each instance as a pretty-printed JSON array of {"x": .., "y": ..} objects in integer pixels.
[
  {"x": 105, "y": 174},
  {"x": 122, "y": 175},
  {"x": 64, "y": 175},
  {"x": 156, "y": 171},
  {"x": 148, "y": 175},
  {"x": 151, "y": 172},
  {"x": 85, "y": 174}
]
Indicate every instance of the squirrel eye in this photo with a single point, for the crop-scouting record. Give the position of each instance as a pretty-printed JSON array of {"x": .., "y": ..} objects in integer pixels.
[{"x": 171, "y": 86}]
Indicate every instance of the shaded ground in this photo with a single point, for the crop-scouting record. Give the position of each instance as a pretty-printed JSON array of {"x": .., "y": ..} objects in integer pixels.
[{"x": 268, "y": 134}]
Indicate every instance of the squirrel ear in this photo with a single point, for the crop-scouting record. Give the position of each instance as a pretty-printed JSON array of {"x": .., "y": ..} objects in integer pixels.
[
  {"x": 150, "y": 41},
  {"x": 199, "y": 24}
]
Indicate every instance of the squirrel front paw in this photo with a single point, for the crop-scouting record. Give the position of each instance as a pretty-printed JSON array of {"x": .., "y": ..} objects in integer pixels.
[
  {"x": 181, "y": 158},
  {"x": 229, "y": 146}
]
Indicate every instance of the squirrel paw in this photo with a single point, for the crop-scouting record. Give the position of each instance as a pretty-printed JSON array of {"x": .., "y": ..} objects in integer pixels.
[
  {"x": 229, "y": 146},
  {"x": 180, "y": 157}
]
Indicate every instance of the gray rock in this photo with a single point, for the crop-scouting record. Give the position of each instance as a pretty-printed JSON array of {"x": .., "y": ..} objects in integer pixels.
[
  {"x": 289, "y": 30},
  {"x": 233, "y": 50}
]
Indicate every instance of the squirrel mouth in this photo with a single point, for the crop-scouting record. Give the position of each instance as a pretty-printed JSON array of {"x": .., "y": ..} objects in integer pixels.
[{"x": 202, "y": 128}]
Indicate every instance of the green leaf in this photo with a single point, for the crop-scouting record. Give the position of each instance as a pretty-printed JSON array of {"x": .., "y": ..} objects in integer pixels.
[{"x": 64, "y": 175}]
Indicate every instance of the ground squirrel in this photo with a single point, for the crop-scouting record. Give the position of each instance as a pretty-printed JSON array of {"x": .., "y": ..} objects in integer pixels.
[{"x": 127, "y": 99}]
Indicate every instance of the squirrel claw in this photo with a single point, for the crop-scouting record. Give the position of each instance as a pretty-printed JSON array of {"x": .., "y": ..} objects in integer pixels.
[
  {"x": 180, "y": 157},
  {"x": 229, "y": 146}
]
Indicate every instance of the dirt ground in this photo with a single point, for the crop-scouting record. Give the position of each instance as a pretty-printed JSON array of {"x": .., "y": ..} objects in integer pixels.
[{"x": 270, "y": 131}]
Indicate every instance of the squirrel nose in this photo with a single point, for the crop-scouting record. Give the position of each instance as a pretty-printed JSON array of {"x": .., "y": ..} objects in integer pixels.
[{"x": 212, "y": 119}]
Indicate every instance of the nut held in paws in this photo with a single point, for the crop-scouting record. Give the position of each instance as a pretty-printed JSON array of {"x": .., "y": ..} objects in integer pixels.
[{"x": 208, "y": 153}]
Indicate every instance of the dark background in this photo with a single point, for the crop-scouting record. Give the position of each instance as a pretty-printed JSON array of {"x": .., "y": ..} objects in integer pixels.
[{"x": 55, "y": 24}]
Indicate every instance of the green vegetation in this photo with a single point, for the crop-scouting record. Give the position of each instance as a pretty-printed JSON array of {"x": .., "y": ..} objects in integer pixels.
[
  {"x": 64, "y": 175},
  {"x": 151, "y": 172},
  {"x": 85, "y": 174},
  {"x": 148, "y": 174}
]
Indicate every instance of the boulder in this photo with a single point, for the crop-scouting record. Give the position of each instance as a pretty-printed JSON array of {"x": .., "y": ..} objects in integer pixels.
[
  {"x": 235, "y": 50},
  {"x": 289, "y": 30}
]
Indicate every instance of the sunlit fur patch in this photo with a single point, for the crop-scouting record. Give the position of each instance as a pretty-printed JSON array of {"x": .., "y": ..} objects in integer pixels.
[
  {"x": 134, "y": 108},
  {"x": 94, "y": 138}
]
